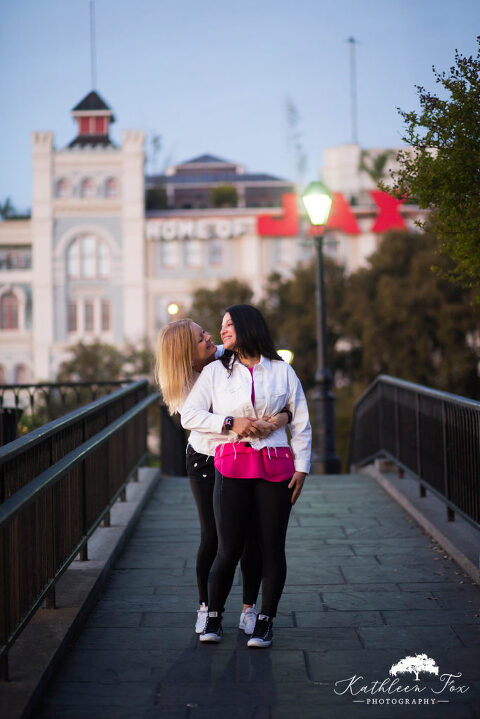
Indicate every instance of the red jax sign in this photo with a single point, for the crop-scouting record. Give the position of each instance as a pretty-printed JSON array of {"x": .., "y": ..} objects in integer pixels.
[{"x": 341, "y": 216}]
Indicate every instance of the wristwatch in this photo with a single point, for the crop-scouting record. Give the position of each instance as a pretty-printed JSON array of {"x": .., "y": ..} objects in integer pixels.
[{"x": 228, "y": 424}]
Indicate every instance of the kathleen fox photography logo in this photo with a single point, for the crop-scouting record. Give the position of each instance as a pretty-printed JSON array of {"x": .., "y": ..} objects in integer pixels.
[{"x": 441, "y": 687}]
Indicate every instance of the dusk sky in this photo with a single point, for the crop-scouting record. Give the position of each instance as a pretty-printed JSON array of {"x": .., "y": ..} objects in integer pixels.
[{"x": 214, "y": 76}]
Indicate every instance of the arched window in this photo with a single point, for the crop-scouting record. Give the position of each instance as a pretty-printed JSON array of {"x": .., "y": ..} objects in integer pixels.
[
  {"x": 21, "y": 374},
  {"x": 88, "y": 257},
  {"x": 215, "y": 252},
  {"x": 111, "y": 187},
  {"x": 62, "y": 188},
  {"x": 193, "y": 253},
  {"x": 9, "y": 311},
  {"x": 87, "y": 187}
]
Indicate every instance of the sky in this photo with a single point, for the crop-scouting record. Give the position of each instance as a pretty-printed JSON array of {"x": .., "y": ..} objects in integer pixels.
[{"x": 215, "y": 76}]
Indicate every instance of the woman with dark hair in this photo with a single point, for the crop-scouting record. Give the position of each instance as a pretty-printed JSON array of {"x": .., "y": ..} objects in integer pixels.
[
  {"x": 183, "y": 350},
  {"x": 254, "y": 477}
]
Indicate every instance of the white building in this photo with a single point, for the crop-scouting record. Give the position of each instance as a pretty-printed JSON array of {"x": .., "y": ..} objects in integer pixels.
[{"x": 93, "y": 263}]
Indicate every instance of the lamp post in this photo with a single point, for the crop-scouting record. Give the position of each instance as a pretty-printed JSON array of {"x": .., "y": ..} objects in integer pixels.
[{"x": 318, "y": 202}]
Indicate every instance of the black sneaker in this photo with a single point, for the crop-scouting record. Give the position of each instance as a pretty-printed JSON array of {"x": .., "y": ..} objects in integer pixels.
[
  {"x": 263, "y": 633},
  {"x": 213, "y": 628}
]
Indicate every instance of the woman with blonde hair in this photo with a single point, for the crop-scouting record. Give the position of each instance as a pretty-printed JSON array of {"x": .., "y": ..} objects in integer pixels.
[{"x": 183, "y": 350}]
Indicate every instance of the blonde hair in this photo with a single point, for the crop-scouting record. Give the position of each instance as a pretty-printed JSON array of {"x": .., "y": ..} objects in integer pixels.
[{"x": 173, "y": 362}]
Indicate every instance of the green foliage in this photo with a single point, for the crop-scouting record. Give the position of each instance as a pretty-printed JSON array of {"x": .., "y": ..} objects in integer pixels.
[
  {"x": 208, "y": 306},
  {"x": 374, "y": 165},
  {"x": 410, "y": 322},
  {"x": 156, "y": 198},
  {"x": 98, "y": 362},
  {"x": 442, "y": 172},
  {"x": 289, "y": 308},
  {"x": 224, "y": 196}
]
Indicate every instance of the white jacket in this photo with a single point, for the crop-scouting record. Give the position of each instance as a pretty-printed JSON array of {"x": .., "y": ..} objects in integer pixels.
[
  {"x": 217, "y": 395},
  {"x": 201, "y": 441}
]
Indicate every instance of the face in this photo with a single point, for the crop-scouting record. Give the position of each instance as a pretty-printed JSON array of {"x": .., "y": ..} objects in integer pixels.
[
  {"x": 203, "y": 347},
  {"x": 227, "y": 333}
]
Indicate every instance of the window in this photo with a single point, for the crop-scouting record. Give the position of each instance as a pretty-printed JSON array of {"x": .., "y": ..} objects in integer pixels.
[
  {"x": 87, "y": 187},
  {"x": 72, "y": 317},
  {"x": 62, "y": 188},
  {"x": 21, "y": 374},
  {"x": 193, "y": 253},
  {"x": 106, "y": 315},
  {"x": 170, "y": 253},
  {"x": 215, "y": 252},
  {"x": 89, "y": 316},
  {"x": 282, "y": 251},
  {"x": 84, "y": 125},
  {"x": 9, "y": 311},
  {"x": 100, "y": 126},
  {"x": 3, "y": 374},
  {"x": 111, "y": 187},
  {"x": 15, "y": 258},
  {"x": 88, "y": 258}
]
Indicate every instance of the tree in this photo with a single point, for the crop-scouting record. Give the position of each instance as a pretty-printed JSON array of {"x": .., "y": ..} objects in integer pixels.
[
  {"x": 289, "y": 308},
  {"x": 93, "y": 362},
  {"x": 376, "y": 165},
  {"x": 224, "y": 196},
  {"x": 208, "y": 306},
  {"x": 410, "y": 322},
  {"x": 441, "y": 172},
  {"x": 7, "y": 209},
  {"x": 414, "y": 665}
]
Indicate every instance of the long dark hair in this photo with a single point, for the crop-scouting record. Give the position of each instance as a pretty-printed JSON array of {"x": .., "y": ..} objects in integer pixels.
[{"x": 253, "y": 335}]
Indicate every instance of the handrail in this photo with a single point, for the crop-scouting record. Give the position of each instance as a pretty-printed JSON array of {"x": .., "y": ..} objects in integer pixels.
[
  {"x": 41, "y": 402},
  {"x": 28, "y": 441},
  {"x": 434, "y": 435},
  {"x": 33, "y": 489},
  {"x": 57, "y": 484}
]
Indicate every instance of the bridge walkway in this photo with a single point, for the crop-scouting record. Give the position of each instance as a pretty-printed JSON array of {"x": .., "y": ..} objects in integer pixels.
[{"x": 366, "y": 587}]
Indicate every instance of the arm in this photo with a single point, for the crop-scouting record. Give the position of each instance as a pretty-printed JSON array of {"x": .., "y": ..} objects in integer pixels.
[
  {"x": 300, "y": 428},
  {"x": 268, "y": 424},
  {"x": 196, "y": 412}
]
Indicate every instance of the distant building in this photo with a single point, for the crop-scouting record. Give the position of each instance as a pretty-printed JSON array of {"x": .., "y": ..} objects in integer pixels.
[{"x": 107, "y": 250}]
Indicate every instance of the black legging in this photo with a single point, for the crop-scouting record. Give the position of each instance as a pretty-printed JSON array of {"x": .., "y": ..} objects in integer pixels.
[
  {"x": 201, "y": 472},
  {"x": 235, "y": 501}
]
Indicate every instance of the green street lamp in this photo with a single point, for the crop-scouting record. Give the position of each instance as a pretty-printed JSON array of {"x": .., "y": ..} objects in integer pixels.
[{"x": 318, "y": 202}]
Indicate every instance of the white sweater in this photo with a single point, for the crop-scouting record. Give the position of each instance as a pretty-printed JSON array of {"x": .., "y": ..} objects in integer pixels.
[{"x": 217, "y": 395}]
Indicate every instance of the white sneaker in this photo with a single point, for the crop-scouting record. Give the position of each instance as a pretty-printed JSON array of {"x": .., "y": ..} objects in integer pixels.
[
  {"x": 248, "y": 619},
  {"x": 202, "y": 615}
]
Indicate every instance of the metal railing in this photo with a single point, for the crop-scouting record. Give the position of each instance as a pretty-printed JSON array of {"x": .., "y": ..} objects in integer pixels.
[
  {"x": 433, "y": 435},
  {"x": 26, "y": 406},
  {"x": 57, "y": 483}
]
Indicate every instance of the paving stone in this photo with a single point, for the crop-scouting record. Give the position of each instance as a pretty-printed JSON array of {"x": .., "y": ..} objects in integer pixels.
[
  {"x": 339, "y": 619},
  {"x": 469, "y": 633},
  {"x": 394, "y": 574},
  {"x": 421, "y": 618},
  {"x": 348, "y": 600},
  {"x": 415, "y": 639},
  {"x": 317, "y": 638},
  {"x": 114, "y": 619}
]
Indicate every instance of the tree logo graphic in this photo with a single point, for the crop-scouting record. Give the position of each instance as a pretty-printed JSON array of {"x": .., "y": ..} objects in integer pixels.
[{"x": 414, "y": 665}]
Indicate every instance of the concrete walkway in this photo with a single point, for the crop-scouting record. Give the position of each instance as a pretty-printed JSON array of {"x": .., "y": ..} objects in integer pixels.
[{"x": 365, "y": 588}]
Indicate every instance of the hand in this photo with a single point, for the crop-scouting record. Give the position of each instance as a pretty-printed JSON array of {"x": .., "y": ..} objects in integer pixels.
[
  {"x": 297, "y": 481},
  {"x": 263, "y": 428},
  {"x": 244, "y": 426},
  {"x": 277, "y": 420}
]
